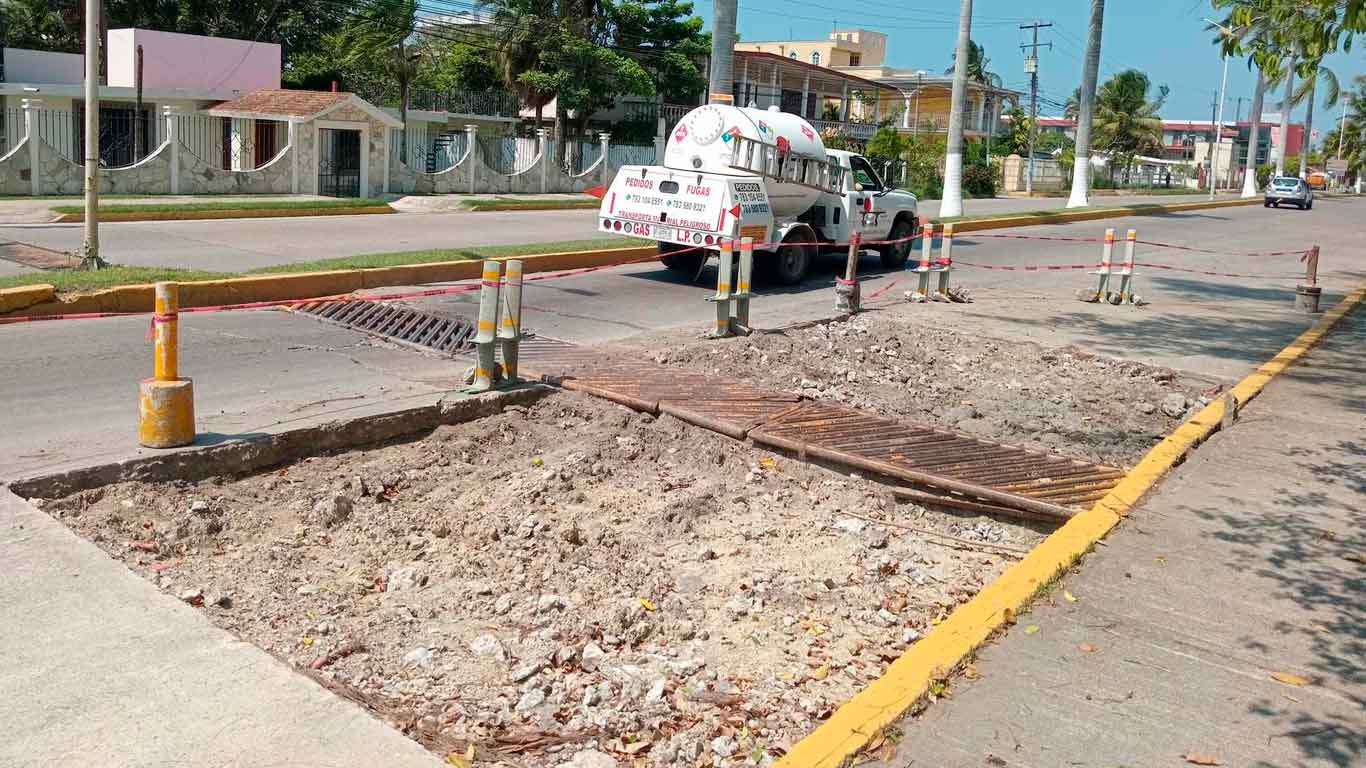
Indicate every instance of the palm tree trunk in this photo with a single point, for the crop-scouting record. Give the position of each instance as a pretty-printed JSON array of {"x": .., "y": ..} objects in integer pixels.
[
  {"x": 1286, "y": 105},
  {"x": 1255, "y": 117},
  {"x": 1081, "y": 166},
  {"x": 952, "y": 202},
  {"x": 1308, "y": 125}
]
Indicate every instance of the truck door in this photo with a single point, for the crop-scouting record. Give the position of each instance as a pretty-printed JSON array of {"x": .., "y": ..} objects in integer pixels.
[{"x": 861, "y": 205}]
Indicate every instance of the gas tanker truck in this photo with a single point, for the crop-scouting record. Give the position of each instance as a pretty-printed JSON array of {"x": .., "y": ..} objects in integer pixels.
[{"x": 732, "y": 172}]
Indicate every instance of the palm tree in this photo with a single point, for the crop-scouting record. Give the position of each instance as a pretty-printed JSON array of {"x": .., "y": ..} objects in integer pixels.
[
  {"x": 383, "y": 31},
  {"x": 1254, "y": 134},
  {"x": 952, "y": 202},
  {"x": 1081, "y": 167},
  {"x": 1126, "y": 122},
  {"x": 977, "y": 66},
  {"x": 1332, "y": 91},
  {"x": 524, "y": 26}
]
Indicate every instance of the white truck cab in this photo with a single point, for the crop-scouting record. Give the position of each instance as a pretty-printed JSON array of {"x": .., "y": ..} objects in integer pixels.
[{"x": 732, "y": 172}]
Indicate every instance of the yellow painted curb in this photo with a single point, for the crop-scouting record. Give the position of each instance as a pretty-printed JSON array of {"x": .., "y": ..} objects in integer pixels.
[
  {"x": 308, "y": 285},
  {"x": 226, "y": 213},
  {"x": 12, "y": 299},
  {"x": 908, "y": 680},
  {"x": 1116, "y": 212}
]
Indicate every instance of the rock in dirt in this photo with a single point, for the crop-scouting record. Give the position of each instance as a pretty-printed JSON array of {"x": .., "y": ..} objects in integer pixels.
[
  {"x": 332, "y": 511},
  {"x": 1174, "y": 405},
  {"x": 531, "y": 700},
  {"x": 592, "y": 657},
  {"x": 200, "y": 507},
  {"x": 488, "y": 646},
  {"x": 590, "y": 758},
  {"x": 400, "y": 579},
  {"x": 419, "y": 657},
  {"x": 724, "y": 746},
  {"x": 527, "y": 670}
]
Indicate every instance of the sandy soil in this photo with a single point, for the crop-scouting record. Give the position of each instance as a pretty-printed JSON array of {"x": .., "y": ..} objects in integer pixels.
[{"x": 576, "y": 584}]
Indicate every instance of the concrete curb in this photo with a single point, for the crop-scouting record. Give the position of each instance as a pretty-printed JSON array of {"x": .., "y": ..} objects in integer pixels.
[
  {"x": 38, "y": 300},
  {"x": 24, "y": 296},
  {"x": 258, "y": 453},
  {"x": 1063, "y": 217},
  {"x": 907, "y": 681},
  {"x": 568, "y": 205},
  {"x": 226, "y": 213}
]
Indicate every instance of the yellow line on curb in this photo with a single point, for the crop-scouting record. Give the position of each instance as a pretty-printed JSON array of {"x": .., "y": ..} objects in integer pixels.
[
  {"x": 1065, "y": 216},
  {"x": 909, "y": 678}
]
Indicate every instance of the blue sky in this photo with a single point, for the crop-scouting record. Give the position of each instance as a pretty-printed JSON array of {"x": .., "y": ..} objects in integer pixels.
[{"x": 1164, "y": 38}]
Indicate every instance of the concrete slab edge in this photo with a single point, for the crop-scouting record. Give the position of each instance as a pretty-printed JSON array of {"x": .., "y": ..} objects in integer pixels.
[
  {"x": 908, "y": 680},
  {"x": 228, "y": 213},
  {"x": 1063, "y": 217},
  {"x": 254, "y": 454},
  {"x": 12, "y": 299},
  {"x": 310, "y": 285}
]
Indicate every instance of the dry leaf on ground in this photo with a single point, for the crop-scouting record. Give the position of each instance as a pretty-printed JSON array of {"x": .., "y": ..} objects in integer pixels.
[
  {"x": 1087, "y": 648},
  {"x": 1032, "y": 629},
  {"x": 1068, "y": 596},
  {"x": 1201, "y": 758},
  {"x": 1289, "y": 679}
]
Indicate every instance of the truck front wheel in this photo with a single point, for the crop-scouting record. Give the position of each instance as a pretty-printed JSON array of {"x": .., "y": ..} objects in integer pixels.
[
  {"x": 681, "y": 258},
  {"x": 895, "y": 254}
]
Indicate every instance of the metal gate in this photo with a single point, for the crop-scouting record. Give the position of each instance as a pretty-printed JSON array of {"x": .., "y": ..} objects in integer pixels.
[{"x": 339, "y": 162}]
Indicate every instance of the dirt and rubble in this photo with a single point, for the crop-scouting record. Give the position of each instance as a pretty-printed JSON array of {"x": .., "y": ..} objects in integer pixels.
[
  {"x": 569, "y": 584},
  {"x": 1062, "y": 400}
]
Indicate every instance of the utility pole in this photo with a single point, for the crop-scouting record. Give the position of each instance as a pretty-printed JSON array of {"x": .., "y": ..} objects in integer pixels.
[
  {"x": 90, "y": 248},
  {"x": 138, "y": 139},
  {"x": 1213, "y": 131},
  {"x": 721, "y": 83},
  {"x": 1219, "y": 130},
  {"x": 1031, "y": 66}
]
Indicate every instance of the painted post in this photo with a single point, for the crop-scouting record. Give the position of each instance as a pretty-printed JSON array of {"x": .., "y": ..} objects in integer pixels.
[
  {"x": 173, "y": 136},
  {"x": 945, "y": 265},
  {"x": 540, "y": 154},
  {"x": 847, "y": 288},
  {"x": 742, "y": 296},
  {"x": 510, "y": 330},
  {"x": 294, "y": 157},
  {"x": 1126, "y": 272},
  {"x": 604, "y": 171},
  {"x": 485, "y": 334},
  {"x": 922, "y": 291},
  {"x": 1307, "y": 294},
  {"x": 472, "y": 154},
  {"x": 722, "y": 297},
  {"x": 166, "y": 401},
  {"x": 31, "y": 107},
  {"x": 1102, "y": 274}
]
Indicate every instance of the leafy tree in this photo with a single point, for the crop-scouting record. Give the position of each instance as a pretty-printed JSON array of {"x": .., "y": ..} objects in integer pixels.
[
  {"x": 47, "y": 25},
  {"x": 886, "y": 144},
  {"x": 667, "y": 40},
  {"x": 381, "y": 34},
  {"x": 977, "y": 66},
  {"x": 448, "y": 66},
  {"x": 298, "y": 26},
  {"x": 1017, "y": 141},
  {"x": 584, "y": 76}
]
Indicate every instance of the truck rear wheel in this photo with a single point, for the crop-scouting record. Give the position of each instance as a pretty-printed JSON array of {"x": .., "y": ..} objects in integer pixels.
[
  {"x": 677, "y": 259},
  {"x": 789, "y": 263},
  {"x": 894, "y": 255}
]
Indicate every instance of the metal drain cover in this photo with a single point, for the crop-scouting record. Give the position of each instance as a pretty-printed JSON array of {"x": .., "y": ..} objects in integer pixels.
[{"x": 441, "y": 333}]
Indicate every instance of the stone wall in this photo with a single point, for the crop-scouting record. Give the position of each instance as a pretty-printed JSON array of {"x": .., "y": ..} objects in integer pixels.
[
  {"x": 379, "y": 139},
  {"x": 60, "y": 176},
  {"x": 456, "y": 179},
  {"x": 1048, "y": 174},
  {"x": 198, "y": 177},
  {"x": 15, "y": 171}
]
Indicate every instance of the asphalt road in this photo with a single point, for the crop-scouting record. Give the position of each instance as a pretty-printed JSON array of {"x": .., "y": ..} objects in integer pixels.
[
  {"x": 68, "y": 395},
  {"x": 236, "y": 245}
]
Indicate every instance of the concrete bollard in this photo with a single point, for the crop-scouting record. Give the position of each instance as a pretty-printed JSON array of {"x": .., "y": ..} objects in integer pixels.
[
  {"x": 945, "y": 264},
  {"x": 743, "y": 293},
  {"x": 1102, "y": 291},
  {"x": 922, "y": 291},
  {"x": 847, "y": 299},
  {"x": 1307, "y": 294},
  {"x": 485, "y": 335},
  {"x": 1126, "y": 273},
  {"x": 510, "y": 330},
  {"x": 166, "y": 401},
  {"x": 722, "y": 297}
]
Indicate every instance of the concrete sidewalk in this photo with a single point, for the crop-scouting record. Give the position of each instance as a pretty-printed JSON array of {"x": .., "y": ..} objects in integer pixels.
[
  {"x": 1245, "y": 563},
  {"x": 100, "y": 668}
]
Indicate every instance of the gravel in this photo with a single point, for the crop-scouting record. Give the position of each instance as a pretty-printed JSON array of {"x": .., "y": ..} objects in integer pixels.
[
  {"x": 1064, "y": 400},
  {"x": 715, "y": 602}
]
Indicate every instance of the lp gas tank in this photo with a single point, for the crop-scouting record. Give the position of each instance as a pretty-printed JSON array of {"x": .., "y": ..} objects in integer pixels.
[{"x": 703, "y": 141}]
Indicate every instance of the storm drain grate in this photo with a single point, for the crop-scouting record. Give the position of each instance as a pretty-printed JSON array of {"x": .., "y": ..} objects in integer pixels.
[{"x": 441, "y": 333}]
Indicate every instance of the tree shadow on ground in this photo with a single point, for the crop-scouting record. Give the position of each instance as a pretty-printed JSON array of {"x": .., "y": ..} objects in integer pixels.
[{"x": 1304, "y": 544}]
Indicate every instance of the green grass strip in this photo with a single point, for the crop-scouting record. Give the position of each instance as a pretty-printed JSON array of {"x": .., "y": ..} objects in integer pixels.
[{"x": 231, "y": 205}]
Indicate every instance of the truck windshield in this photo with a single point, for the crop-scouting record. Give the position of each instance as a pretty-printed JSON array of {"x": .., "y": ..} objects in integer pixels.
[{"x": 864, "y": 174}]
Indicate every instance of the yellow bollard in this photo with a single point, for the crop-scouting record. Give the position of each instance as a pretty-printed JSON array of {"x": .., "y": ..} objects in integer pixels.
[{"x": 166, "y": 401}]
